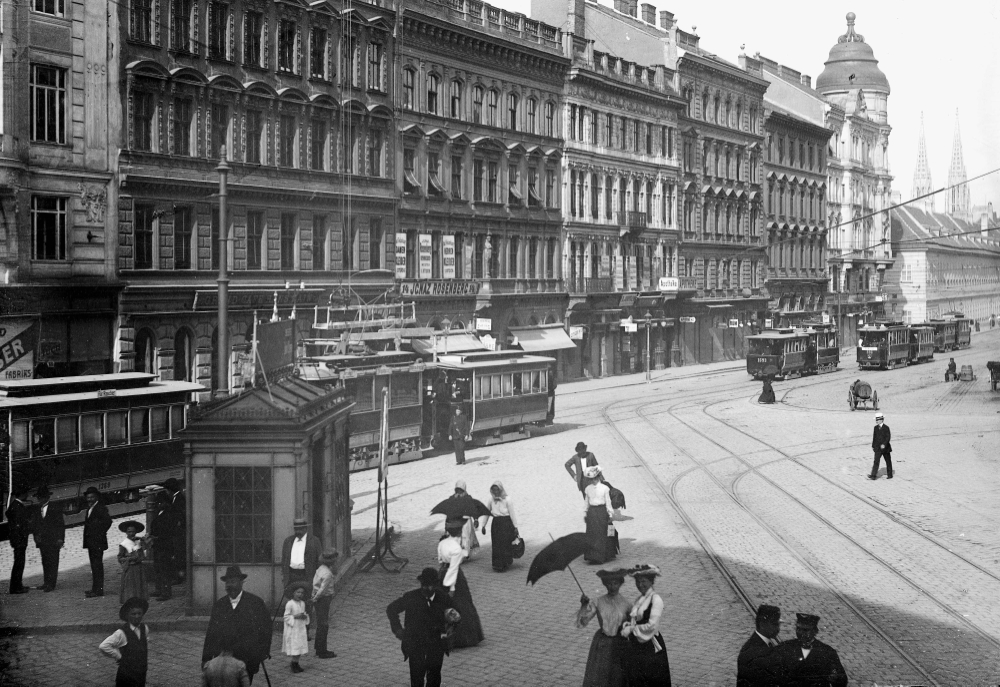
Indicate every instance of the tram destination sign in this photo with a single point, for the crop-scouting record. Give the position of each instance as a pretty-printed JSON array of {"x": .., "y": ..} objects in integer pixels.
[{"x": 18, "y": 343}]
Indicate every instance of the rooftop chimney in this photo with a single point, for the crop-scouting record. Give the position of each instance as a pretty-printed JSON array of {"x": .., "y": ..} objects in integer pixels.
[
  {"x": 576, "y": 21},
  {"x": 666, "y": 20},
  {"x": 648, "y": 13},
  {"x": 805, "y": 80}
]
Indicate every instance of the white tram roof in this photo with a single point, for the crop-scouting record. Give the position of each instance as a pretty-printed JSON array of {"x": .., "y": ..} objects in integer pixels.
[
  {"x": 779, "y": 334},
  {"x": 28, "y": 392},
  {"x": 490, "y": 359}
]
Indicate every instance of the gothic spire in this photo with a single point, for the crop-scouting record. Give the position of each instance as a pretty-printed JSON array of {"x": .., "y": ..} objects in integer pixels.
[
  {"x": 922, "y": 183},
  {"x": 959, "y": 204}
]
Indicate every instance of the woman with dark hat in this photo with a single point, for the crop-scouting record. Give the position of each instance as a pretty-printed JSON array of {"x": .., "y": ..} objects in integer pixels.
[
  {"x": 503, "y": 530},
  {"x": 597, "y": 502},
  {"x": 606, "y": 649},
  {"x": 645, "y": 657},
  {"x": 469, "y": 632},
  {"x": 131, "y": 557},
  {"x": 129, "y": 644}
]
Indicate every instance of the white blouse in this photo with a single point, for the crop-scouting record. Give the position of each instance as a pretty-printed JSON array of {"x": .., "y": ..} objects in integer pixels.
[
  {"x": 646, "y": 631},
  {"x": 450, "y": 551},
  {"x": 597, "y": 495},
  {"x": 503, "y": 507}
]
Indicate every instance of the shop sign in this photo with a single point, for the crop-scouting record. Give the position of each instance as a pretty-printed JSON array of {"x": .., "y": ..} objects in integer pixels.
[
  {"x": 722, "y": 325},
  {"x": 630, "y": 326},
  {"x": 826, "y": 318},
  {"x": 484, "y": 324},
  {"x": 734, "y": 323},
  {"x": 767, "y": 323},
  {"x": 448, "y": 255},
  {"x": 686, "y": 320},
  {"x": 425, "y": 256},
  {"x": 576, "y": 333},
  {"x": 489, "y": 342},
  {"x": 439, "y": 287},
  {"x": 18, "y": 341},
  {"x": 669, "y": 284},
  {"x": 401, "y": 255}
]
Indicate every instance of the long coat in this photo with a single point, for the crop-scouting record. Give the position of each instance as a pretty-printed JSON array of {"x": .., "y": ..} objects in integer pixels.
[
  {"x": 424, "y": 624},
  {"x": 50, "y": 531},
  {"x": 821, "y": 668},
  {"x": 95, "y": 528},
  {"x": 757, "y": 664},
  {"x": 248, "y": 627},
  {"x": 19, "y": 519},
  {"x": 880, "y": 436},
  {"x": 311, "y": 556}
]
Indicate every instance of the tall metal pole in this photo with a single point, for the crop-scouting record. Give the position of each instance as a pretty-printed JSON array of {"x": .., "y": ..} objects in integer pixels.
[
  {"x": 648, "y": 373},
  {"x": 223, "y": 280}
]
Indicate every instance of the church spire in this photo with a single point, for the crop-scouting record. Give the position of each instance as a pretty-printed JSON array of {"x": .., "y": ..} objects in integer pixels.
[
  {"x": 959, "y": 204},
  {"x": 922, "y": 183}
]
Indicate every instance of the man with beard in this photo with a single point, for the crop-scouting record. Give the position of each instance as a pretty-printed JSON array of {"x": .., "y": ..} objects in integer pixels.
[{"x": 239, "y": 621}]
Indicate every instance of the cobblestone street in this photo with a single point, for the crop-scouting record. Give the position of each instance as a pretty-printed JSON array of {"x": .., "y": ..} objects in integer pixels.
[{"x": 737, "y": 503}]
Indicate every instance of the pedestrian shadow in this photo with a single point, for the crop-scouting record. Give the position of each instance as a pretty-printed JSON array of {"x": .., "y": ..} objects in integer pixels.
[{"x": 397, "y": 496}]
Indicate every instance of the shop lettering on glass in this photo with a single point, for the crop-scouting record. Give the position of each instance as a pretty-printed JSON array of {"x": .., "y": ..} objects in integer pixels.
[
  {"x": 425, "y": 256},
  {"x": 448, "y": 253},
  {"x": 18, "y": 341}
]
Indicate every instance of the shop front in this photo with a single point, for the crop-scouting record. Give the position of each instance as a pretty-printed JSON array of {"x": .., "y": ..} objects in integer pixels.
[{"x": 717, "y": 331}]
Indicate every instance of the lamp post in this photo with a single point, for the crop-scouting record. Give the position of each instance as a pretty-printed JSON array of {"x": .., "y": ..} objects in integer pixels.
[
  {"x": 223, "y": 280},
  {"x": 649, "y": 318},
  {"x": 446, "y": 327}
]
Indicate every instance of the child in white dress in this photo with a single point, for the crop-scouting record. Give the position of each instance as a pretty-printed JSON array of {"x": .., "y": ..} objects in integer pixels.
[{"x": 295, "y": 639}]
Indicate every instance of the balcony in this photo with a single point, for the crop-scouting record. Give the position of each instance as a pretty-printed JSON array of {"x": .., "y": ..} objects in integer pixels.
[
  {"x": 636, "y": 221},
  {"x": 590, "y": 285},
  {"x": 522, "y": 285}
]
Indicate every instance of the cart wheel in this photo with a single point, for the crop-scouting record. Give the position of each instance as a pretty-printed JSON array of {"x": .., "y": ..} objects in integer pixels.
[{"x": 875, "y": 400}]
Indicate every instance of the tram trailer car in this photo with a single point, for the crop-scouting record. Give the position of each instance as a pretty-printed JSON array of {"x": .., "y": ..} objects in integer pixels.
[
  {"x": 945, "y": 335},
  {"x": 963, "y": 331},
  {"x": 115, "y": 432},
  {"x": 779, "y": 353},
  {"x": 884, "y": 346},
  {"x": 503, "y": 393},
  {"x": 827, "y": 346},
  {"x": 921, "y": 343},
  {"x": 408, "y": 380}
]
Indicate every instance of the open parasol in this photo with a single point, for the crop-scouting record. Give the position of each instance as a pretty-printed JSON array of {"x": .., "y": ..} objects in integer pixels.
[
  {"x": 558, "y": 555},
  {"x": 457, "y": 508}
]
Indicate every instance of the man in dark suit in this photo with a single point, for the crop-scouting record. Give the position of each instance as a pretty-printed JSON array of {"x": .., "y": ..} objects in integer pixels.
[
  {"x": 458, "y": 432},
  {"x": 300, "y": 554},
  {"x": 19, "y": 524},
  {"x": 95, "y": 539},
  {"x": 49, "y": 529},
  {"x": 881, "y": 447},
  {"x": 808, "y": 662},
  {"x": 757, "y": 665},
  {"x": 239, "y": 621},
  {"x": 425, "y": 626}
]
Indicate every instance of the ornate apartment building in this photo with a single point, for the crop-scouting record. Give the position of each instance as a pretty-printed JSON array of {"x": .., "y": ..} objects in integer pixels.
[
  {"x": 58, "y": 285},
  {"x": 479, "y": 169},
  {"x": 299, "y": 95}
]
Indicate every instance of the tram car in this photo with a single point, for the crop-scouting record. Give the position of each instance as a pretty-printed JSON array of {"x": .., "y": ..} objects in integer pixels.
[
  {"x": 963, "y": 329},
  {"x": 502, "y": 393},
  {"x": 952, "y": 331},
  {"x": 364, "y": 376},
  {"x": 921, "y": 343},
  {"x": 115, "y": 432},
  {"x": 827, "y": 347},
  {"x": 883, "y": 346},
  {"x": 780, "y": 353}
]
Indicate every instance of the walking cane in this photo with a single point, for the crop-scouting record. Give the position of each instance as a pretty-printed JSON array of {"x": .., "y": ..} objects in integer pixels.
[{"x": 274, "y": 619}]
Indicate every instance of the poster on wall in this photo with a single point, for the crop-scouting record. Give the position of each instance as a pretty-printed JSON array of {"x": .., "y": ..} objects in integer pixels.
[
  {"x": 18, "y": 342},
  {"x": 448, "y": 253},
  {"x": 425, "y": 256},
  {"x": 605, "y": 265},
  {"x": 467, "y": 263},
  {"x": 401, "y": 255},
  {"x": 619, "y": 277}
]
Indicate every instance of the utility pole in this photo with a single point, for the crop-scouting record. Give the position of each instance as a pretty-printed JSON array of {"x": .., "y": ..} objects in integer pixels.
[{"x": 223, "y": 281}]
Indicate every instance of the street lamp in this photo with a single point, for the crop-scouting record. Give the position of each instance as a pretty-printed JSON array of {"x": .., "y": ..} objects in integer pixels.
[
  {"x": 446, "y": 327},
  {"x": 648, "y": 319}
]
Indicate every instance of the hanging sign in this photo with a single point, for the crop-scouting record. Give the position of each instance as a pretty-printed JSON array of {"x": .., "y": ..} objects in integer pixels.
[
  {"x": 734, "y": 323},
  {"x": 686, "y": 320}
]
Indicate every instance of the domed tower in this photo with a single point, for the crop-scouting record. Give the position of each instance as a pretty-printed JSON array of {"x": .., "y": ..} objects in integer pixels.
[{"x": 851, "y": 76}]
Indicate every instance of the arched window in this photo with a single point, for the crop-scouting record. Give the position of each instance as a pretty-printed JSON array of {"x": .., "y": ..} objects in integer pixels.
[
  {"x": 530, "y": 124},
  {"x": 512, "y": 118},
  {"x": 477, "y": 104},
  {"x": 409, "y": 82},
  {"x": 550, "y": 118},
  {"x": 145, "y": 352},
  {"x": 456, "y": 99},
  {"x": 184, "y": 356},
  {"x": 492, "y": 107},
  {"x": 433, "y": 86}
]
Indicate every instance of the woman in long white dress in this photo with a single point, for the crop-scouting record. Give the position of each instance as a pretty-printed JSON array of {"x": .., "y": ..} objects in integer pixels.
[{"x": 131, "y": 558}]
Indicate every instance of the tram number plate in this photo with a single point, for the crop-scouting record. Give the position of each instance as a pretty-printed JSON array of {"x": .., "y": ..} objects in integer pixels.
[
  {"x": 761, "y": 360},
  {"x": 103, "y": 485}
]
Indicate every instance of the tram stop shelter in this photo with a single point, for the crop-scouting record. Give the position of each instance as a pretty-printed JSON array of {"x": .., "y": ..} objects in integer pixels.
[{"x": 255, "y": 462}]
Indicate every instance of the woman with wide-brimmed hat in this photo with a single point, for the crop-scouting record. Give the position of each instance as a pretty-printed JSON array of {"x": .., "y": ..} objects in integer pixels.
[
  {"x": 469, "y": 632},
  {"x": 645, "y": 662},
  {"x": 503, "y": 530},
  {"x": 597, "y": 515},
  {"x": 129, "y": 644},
  {"x": 131, "y": 558},
  {"x": 607, "y": 647}
]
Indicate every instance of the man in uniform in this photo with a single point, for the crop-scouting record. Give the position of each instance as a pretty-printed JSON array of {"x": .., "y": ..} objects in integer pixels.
[
  {"x": 95, "y": 539},
  {"x": 239, "y": 622},
  {"x": 881, "y": 447},
  {"x": 19, "y": 524},
  {"x": 458, "y": 432},
  {"x": 808, "y": 662},
  {"x": 757, "y": 664},
  {"x": 50, "y": 534}
]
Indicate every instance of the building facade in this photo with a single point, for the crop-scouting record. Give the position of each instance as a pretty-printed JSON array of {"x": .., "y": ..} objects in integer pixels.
[
  {"x": 300, "y": 97},
  {"x": 859, "y": 182},
  {"x": 794, "y": 195},
  {"x": 59, "y": 288}
]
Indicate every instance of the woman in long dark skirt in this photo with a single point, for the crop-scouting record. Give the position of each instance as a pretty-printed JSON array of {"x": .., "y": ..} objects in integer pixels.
[
  {"x": 645, "y": 657},
  {"x": 469, "y": 631},
  {"x": 606, "y": 649},
  {"x": 503, "y": 530},
  {"x": 597, "y": 499}
]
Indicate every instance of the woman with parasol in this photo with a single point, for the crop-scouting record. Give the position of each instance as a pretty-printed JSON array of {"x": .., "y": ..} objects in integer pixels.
[
  {"x": 470, "y": 542},
  {"x": 645, "y": 657},
  {"x": 597, "y": 501},
  {"x": 606, "y": 649},
  {"x": 131, "y": 554},
  {"x": 468, "y": 632},
  {"x": 503, "y": 531}
]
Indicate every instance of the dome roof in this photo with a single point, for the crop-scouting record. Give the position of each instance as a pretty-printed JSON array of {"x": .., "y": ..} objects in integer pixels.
[{"x": 852, "y": 64}]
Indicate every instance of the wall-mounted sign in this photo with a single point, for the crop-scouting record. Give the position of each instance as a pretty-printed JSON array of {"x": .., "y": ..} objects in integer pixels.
[
  {"x": 484, "y": 324},
  {"x": 686, "y": 320},
  {"x": 439, "y": 287},
  {"x": 734, "y": 323},
  {"x": 767, "y": 323},
  {"x": 669, "y": 284},
  {"x": 575, "y": 333},
  {"x": 425, "y": 256},
  {"x": 630, "y": 326},
  {"x": 826, "y": 318},
  {"x": 448, "y": 256},
  {"x": 18, "y": 341},
  {"x": 401, "y": 255}
]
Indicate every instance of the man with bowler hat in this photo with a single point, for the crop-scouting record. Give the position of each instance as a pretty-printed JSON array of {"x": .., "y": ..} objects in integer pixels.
[
  {"x": 50, "y": 534},
  {"x": 577, "y": 462},
  {"x": 881, "y": 447},
  {"x": 19, "y": 529},
  {"x": 241, "y": 621},
  {"x": 95, "y": 539},
  {"x": 806, "y": 661},
  {"x": 423, "y": 631},
  {"x": 757, "y": 664}
]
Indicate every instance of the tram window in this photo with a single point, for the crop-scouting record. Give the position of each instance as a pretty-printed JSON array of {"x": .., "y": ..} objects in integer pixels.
[
  {"x": 138, "y": 425},
  {"x": 543, "y": 381},
  {"x": 117, "y": 427},
  {"x": 176, "y": 419},
  {"x": 160, "y": 422},
  {"x": 68, "y": 434},
  {"x": 759, "y": 347},
  {"x": 19, "y": 439},
  {"x": 508, "y": 384},
  {"x": 536, "y": 381},
  {"x": 92, "y": 431},
  {"x": 497, "y": 386},
  {"x": 479, "y": 387},
  {"x": 518, "y": 379},
  {"x": 361, "y": 391},
  {"x": 485, "y": 385},
  {"x": 43, "y": 433},
  {"x": 405, "y": 390}
]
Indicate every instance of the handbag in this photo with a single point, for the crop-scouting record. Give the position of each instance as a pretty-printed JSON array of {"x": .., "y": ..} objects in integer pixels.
[{"x": 517, "y": 548}]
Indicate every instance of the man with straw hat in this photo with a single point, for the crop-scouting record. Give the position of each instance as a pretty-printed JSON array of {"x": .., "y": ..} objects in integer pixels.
[
  {"x": 240, "y": 620},
  {"x": 425, "y": 628}
]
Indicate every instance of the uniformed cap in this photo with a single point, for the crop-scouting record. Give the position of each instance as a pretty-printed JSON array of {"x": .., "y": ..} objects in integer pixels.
[
  {"x": 807, "y": 620},
  {"x": 768, "y": 614}
]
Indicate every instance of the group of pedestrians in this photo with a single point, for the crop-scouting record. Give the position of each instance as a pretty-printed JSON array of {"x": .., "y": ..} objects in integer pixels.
[{"x": 800, "y": 662}]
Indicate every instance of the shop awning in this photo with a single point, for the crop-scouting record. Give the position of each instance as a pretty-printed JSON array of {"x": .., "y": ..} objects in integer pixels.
[
  {"x": 460, "y": 342},
  {"x": 648, "y": 301},
  {"x": 544, "y": 337}
]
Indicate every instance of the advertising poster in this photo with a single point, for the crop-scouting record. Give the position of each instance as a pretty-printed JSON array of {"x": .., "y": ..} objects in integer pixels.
[
  {"x": 425, "y": 256},
  {"x": 448, "y": 253},
  {"x": 467, "y": 271},
  {"x": 18, "y": 343},
  {"x": 401, "y": 255}
]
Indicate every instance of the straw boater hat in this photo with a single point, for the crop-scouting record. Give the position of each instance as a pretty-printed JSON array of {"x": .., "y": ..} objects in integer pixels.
[
  {"x": 299, "y": 522},
  {"x": 592, "y": 472},
  {"x": 880, "y": 416},
  {"x": 131, "y": 523},
  {"x": 134, "y": 602}
]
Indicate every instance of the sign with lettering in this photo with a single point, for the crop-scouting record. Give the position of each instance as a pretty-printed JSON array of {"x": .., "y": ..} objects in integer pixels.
[
  {"x": 575, "y": 333},
  {"x": 630, "y": 326},
  {"x": 448, "y": 256},
  {"x": 425, "y": 256},
  {"x": 484, "y": 324},
  {"x": 668, "y": 284},
  {"x": 734, "y": 323},
  {"x": 619, "y": 274},
  {"x": 18, "y": 341},
  {"x": 401, "y": 255},
  {"x": 439, "y": 287},
  {"x": 686, "y": 320},
  {"x": 767, "y": 323}
]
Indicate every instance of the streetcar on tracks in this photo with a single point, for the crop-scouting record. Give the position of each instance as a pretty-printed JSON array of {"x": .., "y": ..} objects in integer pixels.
[
  {"x": 115, "y": 432},
  {"x": 793, "y": 352},
  {"x": 952, "y": 331},
  {"x": 921, "y": 343},
  {"x": 883, "y": 346}
]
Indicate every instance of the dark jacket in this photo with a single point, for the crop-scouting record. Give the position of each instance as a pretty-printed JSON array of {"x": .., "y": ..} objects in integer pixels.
[
  {"x": 459, "y": 427},
  {"x": 50, "y": 531},
  {"x": 424, "y": 624},
  {"x": 248, "y": 627},
  {"x": 821, "y": 669},
  {"x": 313, "y": 548},
  {"x": 19, "y": 519},
  {"x": 95, "y": 528},
  {"x": 881, "y": 436},
  {"x": 757, "y": 664}
]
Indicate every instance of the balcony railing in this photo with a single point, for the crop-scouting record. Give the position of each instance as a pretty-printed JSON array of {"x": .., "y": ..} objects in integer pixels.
[
  {"x": 590, "y": 285},
  {"x": 636, "y": 220}
]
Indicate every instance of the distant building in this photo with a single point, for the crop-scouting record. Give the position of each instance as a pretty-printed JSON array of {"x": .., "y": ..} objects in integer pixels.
[
  {"x": 957, "y": 203},
  {"x": 922, "y": 183}
]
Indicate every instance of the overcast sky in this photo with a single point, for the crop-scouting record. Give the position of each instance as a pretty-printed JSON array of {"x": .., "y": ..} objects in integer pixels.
[{"x": 937, "y": 57}]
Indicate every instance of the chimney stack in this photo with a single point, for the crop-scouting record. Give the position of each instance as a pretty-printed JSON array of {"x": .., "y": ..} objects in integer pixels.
[
  {"x": 576, "y": 19},
  {"x": 666, "y": 20},
  {"x": 648, "y": 13},
  {"x": 805, "y": 80}
]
